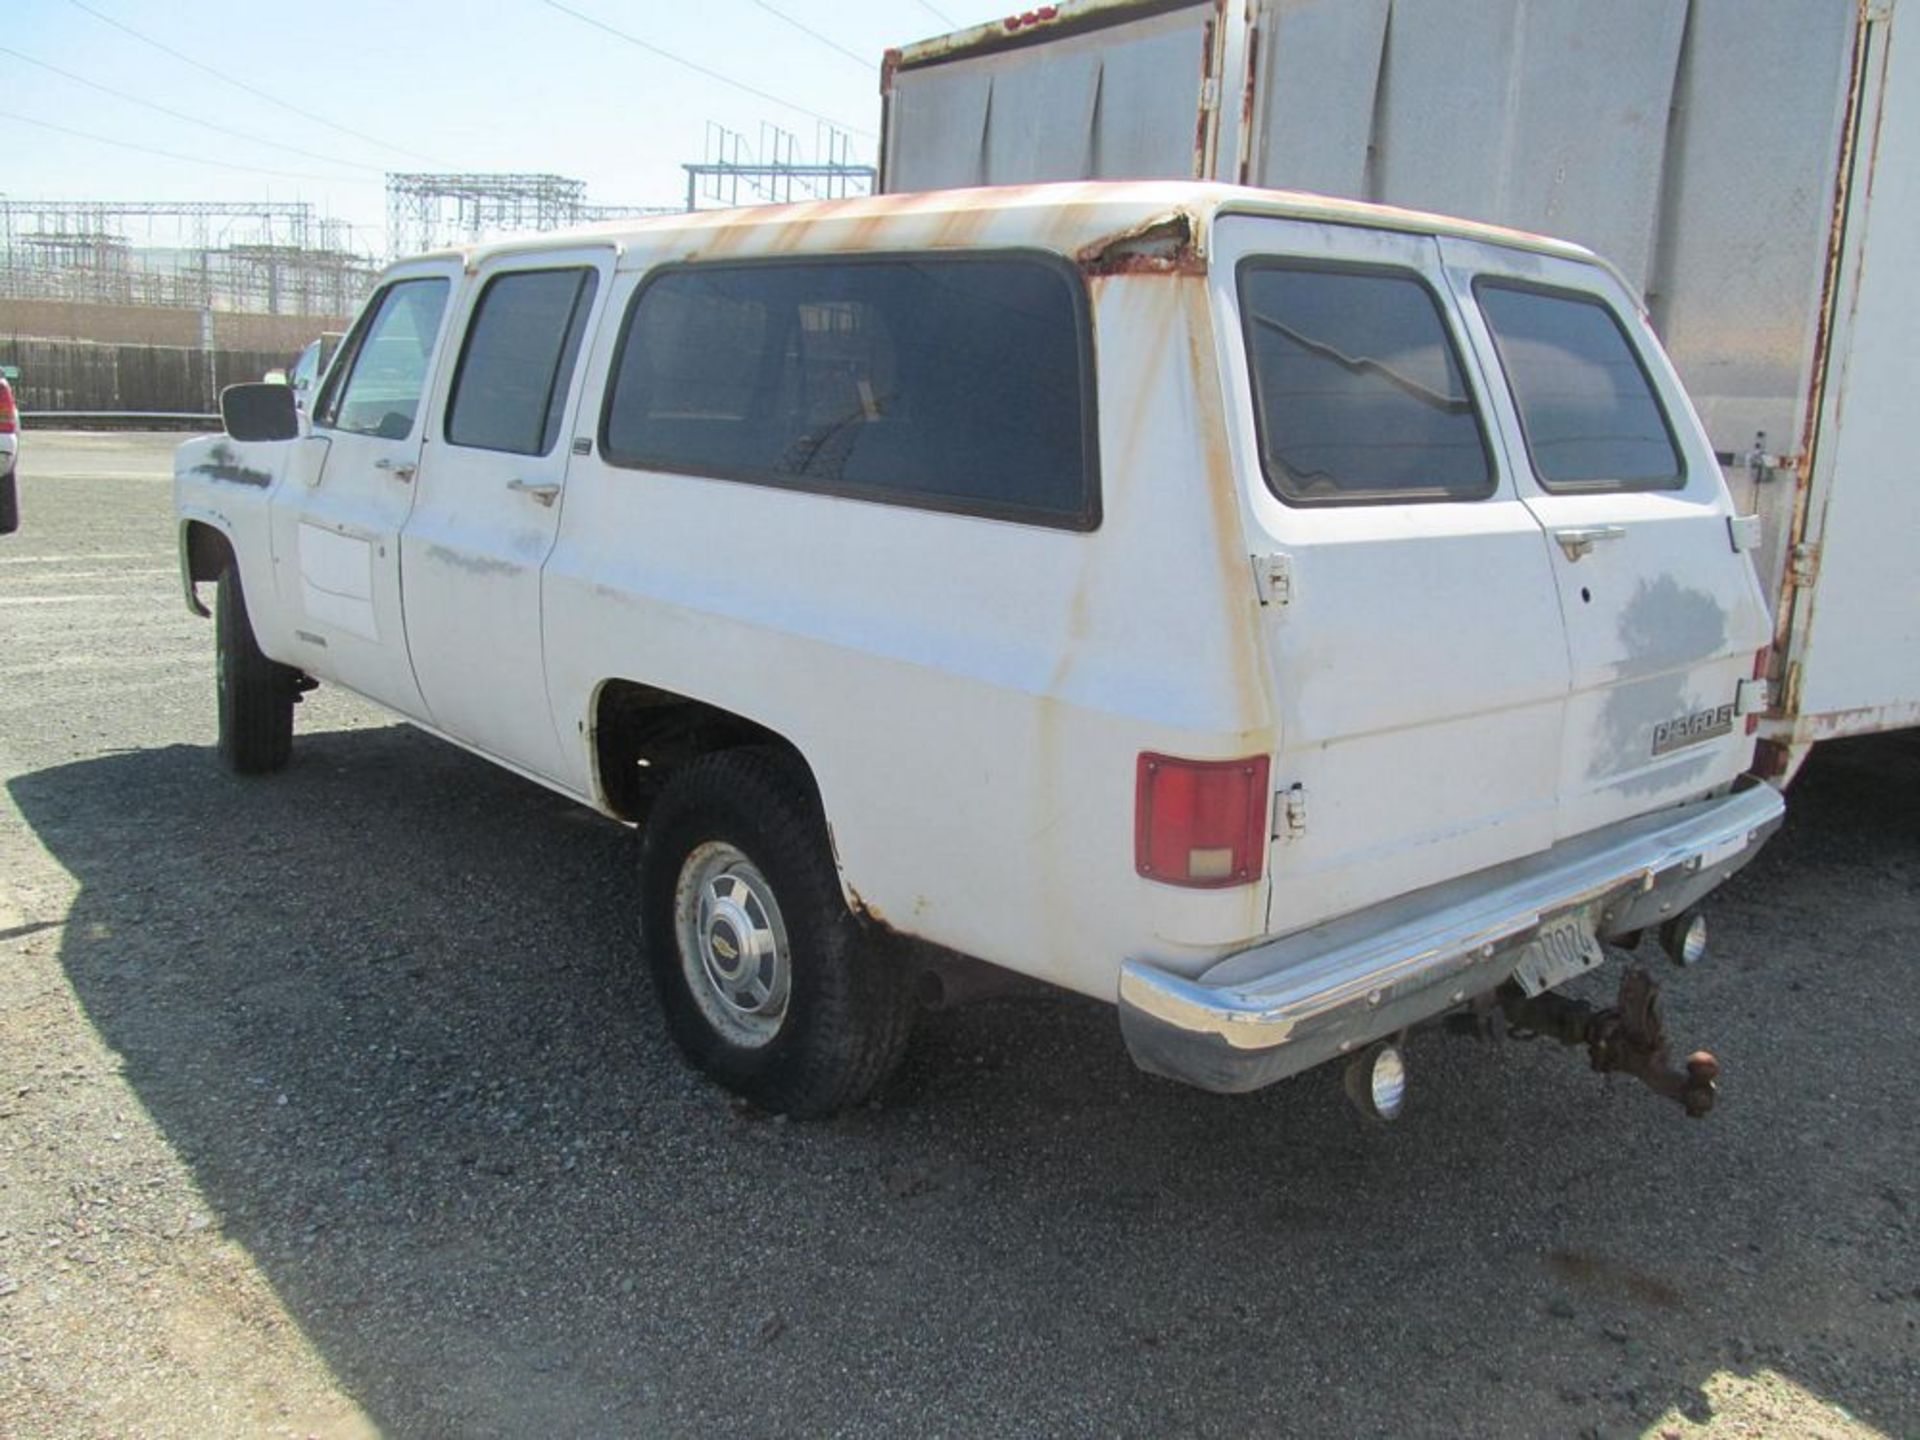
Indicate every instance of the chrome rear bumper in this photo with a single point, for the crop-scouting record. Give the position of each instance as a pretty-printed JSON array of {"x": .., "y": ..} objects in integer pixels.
[{"x": 1290, "y": 1003}]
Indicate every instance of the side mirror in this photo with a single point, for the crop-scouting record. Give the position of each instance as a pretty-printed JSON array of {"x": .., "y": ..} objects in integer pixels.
[{"x": 259, "y": 412}]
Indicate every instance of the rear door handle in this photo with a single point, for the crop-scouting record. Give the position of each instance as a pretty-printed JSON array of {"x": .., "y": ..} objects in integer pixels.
[
  {"x": 544, "y": 494},
  {"x": 402, "y": 470},
  {"x": 1580, "y": 539}
]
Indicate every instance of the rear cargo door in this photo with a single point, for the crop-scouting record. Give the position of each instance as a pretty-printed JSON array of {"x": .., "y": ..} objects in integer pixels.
[
  {"x": 1415, "y": 647},
  {"x": 1663, "y": 612}
]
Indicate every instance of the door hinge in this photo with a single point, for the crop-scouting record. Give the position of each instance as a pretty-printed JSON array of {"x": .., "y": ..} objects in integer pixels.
[
  {"x": 1744, "y": 533},
  {"x": 1290, "y": 813},
  {"x": 1803, "y": 565},
  {"x": 1273, "y": 578}
]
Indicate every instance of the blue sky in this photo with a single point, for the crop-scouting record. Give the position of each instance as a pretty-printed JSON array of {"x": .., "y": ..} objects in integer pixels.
[{"x": 427, "y": 85}]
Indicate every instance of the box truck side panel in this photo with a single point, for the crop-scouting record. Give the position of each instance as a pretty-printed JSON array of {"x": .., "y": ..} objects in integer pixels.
[
  {"x": 1117, "y": 101},
  {"x": 1745, "y": 231},
  {"x": 1549, "y": 115},
  {"x": 1858, "y": 645},
  {"x": 935, "y": 125},
  {"x": 1318, "y": 69}
]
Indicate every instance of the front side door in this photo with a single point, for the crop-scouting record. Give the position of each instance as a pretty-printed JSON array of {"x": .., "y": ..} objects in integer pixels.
[
  {"x": 1417, "y": 658},
  {"x": 337, "y": 522},
  {"x": 488, "y": 503},
  {"x": 1664, "y": 615}
]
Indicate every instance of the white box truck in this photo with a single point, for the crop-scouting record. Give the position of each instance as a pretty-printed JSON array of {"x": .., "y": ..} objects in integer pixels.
[{"x": 1751, "y": 166}]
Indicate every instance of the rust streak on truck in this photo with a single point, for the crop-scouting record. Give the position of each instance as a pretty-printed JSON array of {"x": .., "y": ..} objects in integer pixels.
[
  {"x": 1204, "y": 123},
  {"x": 1164, "y": 245}
]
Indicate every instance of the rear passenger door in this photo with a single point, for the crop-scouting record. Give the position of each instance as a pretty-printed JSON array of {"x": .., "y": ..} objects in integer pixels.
[
  {"x": 1663, "y": 614},
  {"x": 490, "y": 494}
]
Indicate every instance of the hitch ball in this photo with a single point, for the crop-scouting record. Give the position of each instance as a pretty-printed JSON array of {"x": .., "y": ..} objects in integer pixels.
[
  {"x": 1684, "y": 938},
  {"x": 1377, "y": 1082}
]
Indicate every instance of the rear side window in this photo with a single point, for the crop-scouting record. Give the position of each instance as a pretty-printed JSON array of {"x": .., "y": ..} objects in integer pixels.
[
  {"x": 1357, "y": 388},
  {"x": 951, "y": 383},
  {"x": 1591, "y": 418},
  {"x": 387, "y": 370},
  {"x": 517, "y": 363}
]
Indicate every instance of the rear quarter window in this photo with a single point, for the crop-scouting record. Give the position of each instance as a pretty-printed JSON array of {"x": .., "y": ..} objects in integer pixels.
[
  {"x": 1587, "y": 406},
  {"x": 1358, "y": 391},
  {"x": 959, "y": 383}
]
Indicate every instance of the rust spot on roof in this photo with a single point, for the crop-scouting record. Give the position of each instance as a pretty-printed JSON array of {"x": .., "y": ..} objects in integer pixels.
[{"x": 1164, "y": 245}]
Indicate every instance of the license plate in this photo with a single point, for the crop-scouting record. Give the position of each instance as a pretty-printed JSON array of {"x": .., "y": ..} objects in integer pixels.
[{"x": 1564, "y": 948}]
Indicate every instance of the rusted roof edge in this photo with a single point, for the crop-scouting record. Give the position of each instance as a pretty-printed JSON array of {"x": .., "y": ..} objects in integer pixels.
[{"x": 1035, "y": 26}]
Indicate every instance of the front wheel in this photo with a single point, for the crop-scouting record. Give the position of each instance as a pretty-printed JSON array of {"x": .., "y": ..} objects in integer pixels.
[
  {"x": 769, "y": 985},
  {"x": 256, "y": 695}
]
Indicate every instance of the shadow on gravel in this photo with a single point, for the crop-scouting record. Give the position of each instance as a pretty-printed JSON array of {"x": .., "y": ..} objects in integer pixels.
[{"x": 385, "y": 1006}]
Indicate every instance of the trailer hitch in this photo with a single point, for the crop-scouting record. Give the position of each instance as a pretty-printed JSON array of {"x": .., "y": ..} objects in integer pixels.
[{"x": 1628, "y": 1038}]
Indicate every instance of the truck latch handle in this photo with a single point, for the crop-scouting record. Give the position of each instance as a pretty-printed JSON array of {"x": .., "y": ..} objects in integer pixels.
[{"x": 1579, "y": 540}]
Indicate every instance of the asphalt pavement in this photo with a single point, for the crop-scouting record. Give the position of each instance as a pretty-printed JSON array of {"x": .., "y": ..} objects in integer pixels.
[{"x": 334, "y": 1103}]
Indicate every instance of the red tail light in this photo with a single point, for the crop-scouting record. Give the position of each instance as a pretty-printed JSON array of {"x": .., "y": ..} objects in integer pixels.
[
  {"x": 1200, "y": 823},
  {"x": 9, "y": 416}
]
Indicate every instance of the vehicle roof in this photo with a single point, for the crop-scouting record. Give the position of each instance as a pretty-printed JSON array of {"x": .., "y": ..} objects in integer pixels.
[{"x": 1071, "y": 217}]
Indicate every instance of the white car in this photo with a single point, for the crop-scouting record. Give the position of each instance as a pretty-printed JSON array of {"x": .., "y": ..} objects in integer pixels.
[
  {"x": 1287, "y": 620},
  {"x": 310, "y": 367},
  {"x": 9, "y": 456}
]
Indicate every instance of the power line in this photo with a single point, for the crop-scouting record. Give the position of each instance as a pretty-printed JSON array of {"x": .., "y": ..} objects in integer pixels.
[
  {"x": 852, "y": 55},
  {"x": 268, "y": 96},
  {"x": 182, "y": 115},
  {"x": 175, "y": 155},
  {"x": 938, "y": 14},
  {"x": 680, "y": 60}
]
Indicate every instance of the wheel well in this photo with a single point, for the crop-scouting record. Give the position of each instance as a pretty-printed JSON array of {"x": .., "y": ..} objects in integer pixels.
[
  {"x": 207, "y": 550},
  {"x": 642, "y": 734}
]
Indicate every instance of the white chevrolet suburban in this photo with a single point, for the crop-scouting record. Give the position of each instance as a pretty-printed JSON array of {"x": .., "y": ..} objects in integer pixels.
[{"x": 1289, "y": 620}]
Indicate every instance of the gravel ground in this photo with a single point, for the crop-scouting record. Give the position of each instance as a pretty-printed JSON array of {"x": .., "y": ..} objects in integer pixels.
[{"x": 332, "y": 1104}]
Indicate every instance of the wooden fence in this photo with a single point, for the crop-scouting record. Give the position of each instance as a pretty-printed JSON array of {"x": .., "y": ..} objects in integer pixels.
[{"x": 86, "y": 375}]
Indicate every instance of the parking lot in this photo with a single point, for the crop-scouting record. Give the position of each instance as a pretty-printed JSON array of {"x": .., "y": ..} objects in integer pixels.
[{"x": 334, "y": 1104}]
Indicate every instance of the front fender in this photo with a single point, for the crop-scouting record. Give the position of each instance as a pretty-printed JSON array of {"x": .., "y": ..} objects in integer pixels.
[{"x": 202, "y": 556}]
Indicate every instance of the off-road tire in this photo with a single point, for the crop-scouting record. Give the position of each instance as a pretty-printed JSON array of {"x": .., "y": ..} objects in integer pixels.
[
  {"x": 256, "y": 695},
  {"x": 849, "y": 1009}
]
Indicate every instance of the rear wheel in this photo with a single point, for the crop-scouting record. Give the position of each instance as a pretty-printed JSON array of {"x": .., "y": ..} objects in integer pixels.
[
  {"x": 769, "y": 985},
  {"x": 256, "y": 695}
]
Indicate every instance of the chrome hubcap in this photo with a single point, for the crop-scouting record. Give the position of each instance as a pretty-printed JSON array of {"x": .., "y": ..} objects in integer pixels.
[{"x": 733, "y": 944}]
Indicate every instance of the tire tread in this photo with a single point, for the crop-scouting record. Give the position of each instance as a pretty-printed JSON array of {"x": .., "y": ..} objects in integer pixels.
[
  {"x": 856, "y": 1014},
  {"x": 256, "y": 704}
]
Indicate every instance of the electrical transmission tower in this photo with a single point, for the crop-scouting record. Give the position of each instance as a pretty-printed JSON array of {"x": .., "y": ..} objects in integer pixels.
[
  {"x": 268, "y": 257},
  {"x": 429, "y": 211},
  {"x": 773, "y": 170}
]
